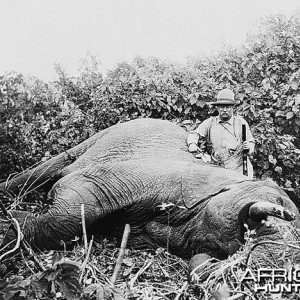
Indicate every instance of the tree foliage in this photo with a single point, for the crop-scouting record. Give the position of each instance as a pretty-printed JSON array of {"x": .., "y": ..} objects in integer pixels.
[{"x": 39, "y": 119}]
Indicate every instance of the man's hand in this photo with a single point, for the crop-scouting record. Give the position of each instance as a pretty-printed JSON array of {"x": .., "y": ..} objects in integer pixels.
[
  {"x": 246, "y": 146},
  {"x": 204, "y": 156},
  {"x": 194, "y": 148}
]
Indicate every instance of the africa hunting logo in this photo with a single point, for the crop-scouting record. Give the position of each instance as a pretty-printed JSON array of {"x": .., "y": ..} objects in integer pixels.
[{"x": 275, "y": 280}]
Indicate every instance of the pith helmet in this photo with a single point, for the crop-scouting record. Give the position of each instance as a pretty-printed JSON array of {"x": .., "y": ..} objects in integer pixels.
[{"x": 225, "y": 97}]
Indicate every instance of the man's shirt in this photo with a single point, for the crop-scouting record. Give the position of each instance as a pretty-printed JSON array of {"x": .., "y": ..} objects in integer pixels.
[{"x": 225, "y": 137}]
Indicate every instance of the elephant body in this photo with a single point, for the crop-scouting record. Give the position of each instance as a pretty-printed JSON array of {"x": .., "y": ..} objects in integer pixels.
[{"x": 141, "y": 173}]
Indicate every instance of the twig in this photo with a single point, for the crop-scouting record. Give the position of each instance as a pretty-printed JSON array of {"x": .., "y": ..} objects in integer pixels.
[
  {"x": 86, "y": 259},
  {"x": 183, "y": 288},
  {"x": 166, "y": 274},
  {"x": 237, "y": 296},
  {"x": 208, "y": 263},
  {"x": 141, "y": 271},
  {"x": 4, "y": 210},
  {"x": 26, "y": 262},
  {"x": 12, "y": 176},
  {"x": 84, "y": 227},
  {"x": 94, "y": 275},
  {"x": 26, "y": 247},
  {"x": 216, "y": 272},
  {"x": 37, "y": 186},
  {"x": 8, "y": 180},
  {"x": 27, "y": 190},
  {"x": 23, "y": 242},
  {"x": 19, "y": 237},
  {"x": 121, "y": 255}
]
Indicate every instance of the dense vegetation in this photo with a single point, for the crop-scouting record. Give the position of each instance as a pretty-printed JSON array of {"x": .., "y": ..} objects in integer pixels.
[{"x": 39, "y": 120}]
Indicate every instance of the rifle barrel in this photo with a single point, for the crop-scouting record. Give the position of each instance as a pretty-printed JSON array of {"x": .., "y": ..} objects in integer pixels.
[{"x": 244, "y": 138}]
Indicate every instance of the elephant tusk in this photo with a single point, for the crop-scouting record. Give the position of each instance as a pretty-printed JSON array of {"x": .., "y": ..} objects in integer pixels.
[{"x": 260, "y": 210}]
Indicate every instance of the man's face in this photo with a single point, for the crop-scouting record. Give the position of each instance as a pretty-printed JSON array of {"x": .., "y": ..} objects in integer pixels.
[{"x": 225, "y": 111}]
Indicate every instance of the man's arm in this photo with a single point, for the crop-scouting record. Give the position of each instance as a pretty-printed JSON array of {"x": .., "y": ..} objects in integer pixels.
[
  {"x": 192, "y": 141},
  {"x": 200, "y": 132}
]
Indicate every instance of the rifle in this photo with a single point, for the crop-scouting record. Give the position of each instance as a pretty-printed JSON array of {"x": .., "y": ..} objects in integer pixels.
[{"x": 245, "y": 167}]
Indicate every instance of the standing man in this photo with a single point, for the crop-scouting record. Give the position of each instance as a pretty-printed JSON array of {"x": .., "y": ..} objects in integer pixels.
[{"x": 224, "y": 134}]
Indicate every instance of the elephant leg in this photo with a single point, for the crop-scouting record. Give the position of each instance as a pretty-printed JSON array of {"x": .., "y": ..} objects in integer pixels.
[
  {"x": 50, "y": 170},
  {"x": 99, "y": 195}
]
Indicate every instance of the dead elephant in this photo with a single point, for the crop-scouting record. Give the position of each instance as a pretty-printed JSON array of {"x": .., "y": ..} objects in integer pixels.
[{"x": 141, "y": 173}]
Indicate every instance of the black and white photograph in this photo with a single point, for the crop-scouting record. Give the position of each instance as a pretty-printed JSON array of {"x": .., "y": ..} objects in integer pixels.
[{"x": 150, "y": 149}]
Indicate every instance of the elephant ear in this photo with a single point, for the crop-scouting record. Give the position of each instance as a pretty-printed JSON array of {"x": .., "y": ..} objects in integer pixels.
[{"x": 199, "y": 186}]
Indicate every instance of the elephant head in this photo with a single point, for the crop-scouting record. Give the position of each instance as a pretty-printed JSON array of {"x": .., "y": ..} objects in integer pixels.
[{"x": 263, "y": 214}]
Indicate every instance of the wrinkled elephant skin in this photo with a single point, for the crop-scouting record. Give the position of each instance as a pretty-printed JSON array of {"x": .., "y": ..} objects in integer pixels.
[{"x": 141, "y": 173}]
